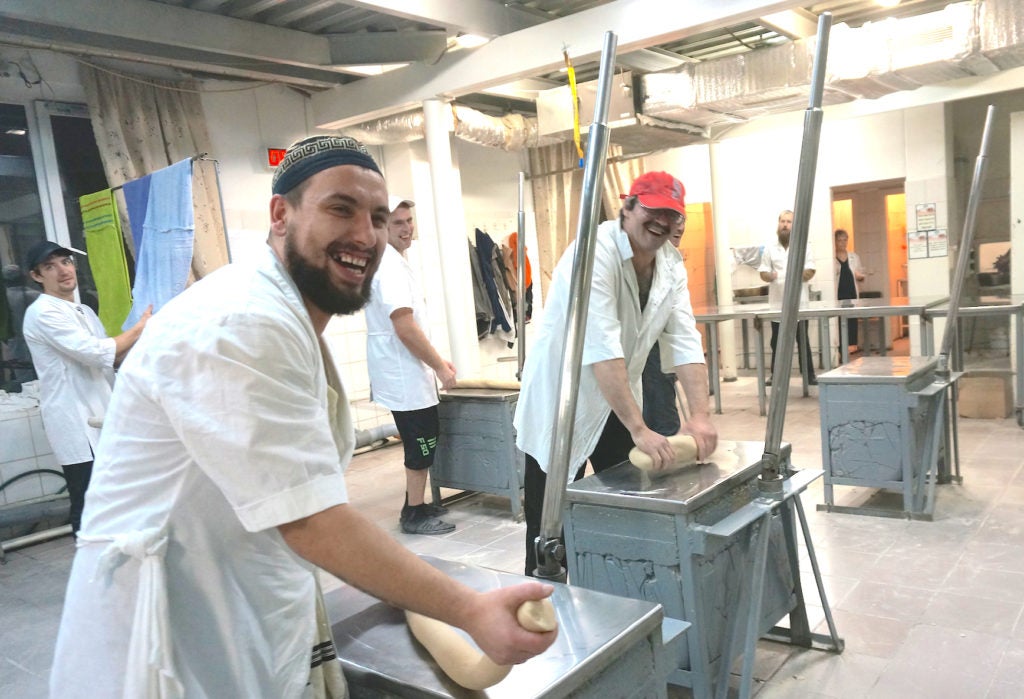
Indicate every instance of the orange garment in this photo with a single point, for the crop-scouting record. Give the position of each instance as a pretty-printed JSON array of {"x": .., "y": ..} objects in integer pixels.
[{"x": 513, "y": 240}]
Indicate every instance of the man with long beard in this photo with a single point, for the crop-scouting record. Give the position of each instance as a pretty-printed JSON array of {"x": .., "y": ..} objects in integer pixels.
[{"x": 218, "y": 485}]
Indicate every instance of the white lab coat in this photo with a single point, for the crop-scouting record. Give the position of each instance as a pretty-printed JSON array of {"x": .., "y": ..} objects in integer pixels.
[
  {"x": 74, "y": 360},
  {"x": 616, "y": 329},
  {"x": 398, "y": 380},
  {"x": 856, "y": 266},
  {"x": 775, "y": 258},
  {"x": 218, "y": 432}
]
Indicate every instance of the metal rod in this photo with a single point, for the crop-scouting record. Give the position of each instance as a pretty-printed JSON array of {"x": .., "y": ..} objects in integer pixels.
[
  {"x": 35, "y": 538},
  {"x": 771, "y": 479},
  {"x": 549, "y": 550},
  {"x": 966, "y": 238},
  {"x": 521, "y": 279}
]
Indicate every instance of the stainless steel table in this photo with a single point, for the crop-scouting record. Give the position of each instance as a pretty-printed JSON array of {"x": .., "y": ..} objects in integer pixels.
[
  {"x": 711, "y": 316},
  {"x": 1012, "y": 306},
  {"x": 824, "y": 311},
  {"x": 607, "y": 646}
]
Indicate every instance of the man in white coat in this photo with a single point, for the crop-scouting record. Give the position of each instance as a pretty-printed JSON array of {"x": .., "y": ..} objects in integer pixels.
[
  {"x": 74, "y": 360},
  {"x": 638, "y": 297},
  {"x": 219, "y": 485},
  {"x": 405, "y": 367}
]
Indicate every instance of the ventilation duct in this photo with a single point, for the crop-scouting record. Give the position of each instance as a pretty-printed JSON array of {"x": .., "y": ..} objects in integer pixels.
[
  {"x": 964, "y": 39},
  {"x": 510, "y": 132}
]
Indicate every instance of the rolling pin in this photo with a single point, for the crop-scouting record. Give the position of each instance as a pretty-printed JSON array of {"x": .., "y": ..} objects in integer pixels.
[
  {"x": 684, "y": 446},
  {"x": 460, "y": 659}
]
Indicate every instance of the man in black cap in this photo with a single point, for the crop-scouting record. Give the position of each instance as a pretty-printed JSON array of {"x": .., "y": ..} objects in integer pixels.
[
  {"x": 75, "y": 361},
  {"x": 219, "y": 484}
]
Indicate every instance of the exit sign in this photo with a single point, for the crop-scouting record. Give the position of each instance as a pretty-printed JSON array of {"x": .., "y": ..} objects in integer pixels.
[{"x": 275, "y": 156}]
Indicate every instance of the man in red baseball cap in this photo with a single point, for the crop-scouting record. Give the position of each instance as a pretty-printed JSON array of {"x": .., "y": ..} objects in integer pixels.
[{"x": 638, "y": 297}]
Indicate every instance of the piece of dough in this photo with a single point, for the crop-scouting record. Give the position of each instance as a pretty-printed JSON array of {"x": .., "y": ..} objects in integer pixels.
[
  {"x": 461, "y": 660},
  {"x": 458, "y": 658},
  {"x": 506, "y": 384},
  {"x": 537, "y": 615},
  {"x": 684, "y": 446}
]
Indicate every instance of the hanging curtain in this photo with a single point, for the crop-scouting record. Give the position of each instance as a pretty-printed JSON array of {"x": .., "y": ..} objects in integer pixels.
[
  {"x": 556, "y": 180},
  {"x": 142, "y": 127}
]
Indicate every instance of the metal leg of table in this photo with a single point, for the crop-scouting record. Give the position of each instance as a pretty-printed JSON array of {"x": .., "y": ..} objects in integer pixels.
[
  {"x": 802, "y": 341},
  {"x": 713, "y": 369},
  {"x": 1018, "y": 397},
  {"x": 759, "y": 357},
  {"x": 746, "y": 342},
  {"x": 844, "y": 340},
  {"x": 825, "y": 337}
]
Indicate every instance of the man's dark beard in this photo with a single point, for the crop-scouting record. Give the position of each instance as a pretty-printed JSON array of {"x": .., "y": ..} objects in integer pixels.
[{"x": 315, "y": 285}]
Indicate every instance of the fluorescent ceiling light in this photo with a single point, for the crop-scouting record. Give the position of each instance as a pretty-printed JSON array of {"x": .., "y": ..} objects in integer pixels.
[
  {"x": 15, "y": 132},
  {"x": 470, "y": 41},
  {"x": 374, "y": 69}
]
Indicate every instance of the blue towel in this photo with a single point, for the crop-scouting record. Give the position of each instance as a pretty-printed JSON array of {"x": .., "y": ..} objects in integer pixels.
[
  {"x": 136, "y": 196},
  {"x": 164, "y": 259}
]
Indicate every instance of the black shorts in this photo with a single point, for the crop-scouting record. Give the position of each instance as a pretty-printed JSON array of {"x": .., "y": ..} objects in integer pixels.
[{"x": 418, "y": 430}]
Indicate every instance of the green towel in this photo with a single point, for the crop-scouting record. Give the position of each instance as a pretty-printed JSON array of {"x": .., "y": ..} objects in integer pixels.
[{"x": 105, "y": 247}]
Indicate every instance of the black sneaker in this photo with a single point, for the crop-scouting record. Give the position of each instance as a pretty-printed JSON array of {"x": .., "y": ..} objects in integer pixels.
[
  {"x": 419, "y": 522},
  {"x": 434, "y": 510}
]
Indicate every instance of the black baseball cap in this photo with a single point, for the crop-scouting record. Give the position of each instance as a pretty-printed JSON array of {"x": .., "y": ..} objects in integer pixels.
[{"x": 41, "y": 251}]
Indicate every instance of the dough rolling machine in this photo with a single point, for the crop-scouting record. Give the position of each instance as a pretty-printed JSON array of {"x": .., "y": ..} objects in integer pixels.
[{"x": 716, "y": 545}]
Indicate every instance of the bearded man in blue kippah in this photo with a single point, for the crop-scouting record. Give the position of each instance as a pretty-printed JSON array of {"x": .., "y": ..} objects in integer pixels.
[{"x": 218, "y": 484}]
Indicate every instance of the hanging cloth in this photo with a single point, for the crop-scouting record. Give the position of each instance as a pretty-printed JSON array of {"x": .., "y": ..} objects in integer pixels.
[
  {"x": 136, "y": 196},
  {"x": 165, "y": 254},
  {"x": 105, "y": 248}
]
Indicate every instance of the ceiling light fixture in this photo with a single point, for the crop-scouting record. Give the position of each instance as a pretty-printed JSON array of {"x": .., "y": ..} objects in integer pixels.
[
  {"x": 470, "y": 41},
  {"x": 15, "y": 132}
]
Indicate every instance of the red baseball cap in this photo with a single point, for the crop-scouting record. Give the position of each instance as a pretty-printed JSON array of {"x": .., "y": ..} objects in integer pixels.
[{"x": 658, "y": 190}]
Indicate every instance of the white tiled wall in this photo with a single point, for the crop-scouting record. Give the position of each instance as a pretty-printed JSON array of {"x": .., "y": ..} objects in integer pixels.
[{"x": 23, "y": 449}]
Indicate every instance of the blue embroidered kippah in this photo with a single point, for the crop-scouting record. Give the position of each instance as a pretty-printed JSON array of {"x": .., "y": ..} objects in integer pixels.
[{"x": 309, "y": 156}]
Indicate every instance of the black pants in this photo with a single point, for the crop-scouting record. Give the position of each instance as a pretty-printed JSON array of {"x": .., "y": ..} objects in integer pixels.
[
  {"x": 612, "y": 449},
  {"x": 77, "y": 477},
  {"x": 804, "y": 356}
]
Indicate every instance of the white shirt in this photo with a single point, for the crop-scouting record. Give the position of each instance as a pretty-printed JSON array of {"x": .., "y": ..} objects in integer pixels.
[
  {"x": 218, "y": 433},
  {"x": 74, "y": 360},
  {"x": 616, "y": 329},
  {"x": 775, "y": 258},
  {"x": 398, "y": 380}
]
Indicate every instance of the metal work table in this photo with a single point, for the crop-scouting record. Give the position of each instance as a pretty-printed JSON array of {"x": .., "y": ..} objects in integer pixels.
[
  {"x": 824, "y": 311},
  {"x": 711, "y": 316},
  {"x": 885, "y": 423},
  {"x": 1012, "y": 306},
  {"x": 607, "y": 646},
  {"x": 689, "y": 540},
  {"x": 476, "y": 450}
]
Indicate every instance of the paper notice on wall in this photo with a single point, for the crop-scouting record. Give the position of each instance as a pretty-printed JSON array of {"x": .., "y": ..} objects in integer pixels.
[
  {"x": 938, "y": 244},
  {"x": 917, "y": 245},
  {"x": 925, "y": 217}
]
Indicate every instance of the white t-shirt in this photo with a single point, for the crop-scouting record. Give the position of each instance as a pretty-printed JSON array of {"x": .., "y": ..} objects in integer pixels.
[
  {"x": 74, "y": 360},
  {"x": 775, "y": 259},
  {"x": 616, "y": 329},
  {"x": 398, "y": 380},
  {"x": 218, "y": 432}
]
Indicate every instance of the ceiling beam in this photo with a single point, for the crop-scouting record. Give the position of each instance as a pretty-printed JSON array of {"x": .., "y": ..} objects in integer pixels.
[
  {"x": 366, "y": 48},
  {"x": 530, "y": 52}
]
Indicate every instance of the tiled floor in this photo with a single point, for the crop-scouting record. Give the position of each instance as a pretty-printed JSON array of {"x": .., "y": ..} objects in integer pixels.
[{"x": 927, "y": 609}]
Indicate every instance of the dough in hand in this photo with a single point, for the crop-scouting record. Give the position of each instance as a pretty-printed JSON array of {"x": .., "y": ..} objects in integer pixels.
[
  {"x": 537, "y": 615},
  {"x": 684, "y": 446},
  {"x": 458, "y": 658},
  {"x": 464, "y": 662}
]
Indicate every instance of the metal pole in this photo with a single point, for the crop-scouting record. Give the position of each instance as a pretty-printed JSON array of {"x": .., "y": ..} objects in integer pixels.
[
  {"x": 521, "y": 279},
  {"x": 770, "y": 479},
  {"x": 966, "y": 238},
  {"x": 549, "y": 549}
]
